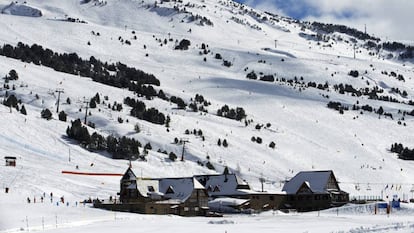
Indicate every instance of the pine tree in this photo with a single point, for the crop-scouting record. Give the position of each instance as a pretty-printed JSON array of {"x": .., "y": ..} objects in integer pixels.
[
  {"x": 167, "y": 121},
  {"x": 97, "y": 98},
  {"x": 172, "y": 156},
  {"x": 225, "y": 143},
  {"x": 46, "y": 114},
  {"x": 13, "y": 75},
  {"x": 11, "y": 101},
  {"x": 62, "y": 116},
  {"x": 92, "y": 103},
  {"x": 23, "y": 110},
  {"x": 137, "y": 129},
  {"x": 210, "y": 166},
  {"x": 148, "y": 146}
]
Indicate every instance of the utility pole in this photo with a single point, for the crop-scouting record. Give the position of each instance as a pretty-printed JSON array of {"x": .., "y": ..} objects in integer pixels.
[
  {"x": 87, "y": 106},
  {"x": 58, "y": 90},
  {"x": 262, "y": 180},
  {"x": 275, "y": 44},
  {"x": 183, "y": 141}
]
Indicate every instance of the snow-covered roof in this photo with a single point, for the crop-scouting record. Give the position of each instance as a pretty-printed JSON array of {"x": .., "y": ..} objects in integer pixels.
[
  {"x": 147, "y": 187},
  {"x": 224, "y": 184},
  {"x": 197, "y": 184},
  {"x": 170, "y": 202},
  {"x": 129, "y": 174},
  {"x": 178, "y": 188},
  {"x": 315, "y": 180},
  {"x": 227, "y": 201}
]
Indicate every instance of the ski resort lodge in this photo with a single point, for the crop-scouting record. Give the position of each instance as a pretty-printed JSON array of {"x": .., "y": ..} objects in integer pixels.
[
  {"x": 202, "y": 194},
  {"x": 314, "y": 190}
]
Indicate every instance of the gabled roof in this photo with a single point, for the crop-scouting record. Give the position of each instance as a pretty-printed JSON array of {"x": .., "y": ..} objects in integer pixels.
[
  {"x": 129, "y": 175},
  {"x": 304, "y": 188},
  {"x": 197, "y": 184},
  {"x": 316, "y": 180},
  {"x": 182, "y": 187},
  {"x": 224, "y": 184},
  {"x": 179, "y": 188}
]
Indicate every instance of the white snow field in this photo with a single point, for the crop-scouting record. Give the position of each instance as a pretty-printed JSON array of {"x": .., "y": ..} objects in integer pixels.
[{"x": 308, "y": 135}]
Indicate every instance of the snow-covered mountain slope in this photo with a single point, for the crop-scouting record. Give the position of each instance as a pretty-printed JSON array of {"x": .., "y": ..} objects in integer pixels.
[
  {"x": 307, "y": 134},
  {"x": 21, "y": 10}
]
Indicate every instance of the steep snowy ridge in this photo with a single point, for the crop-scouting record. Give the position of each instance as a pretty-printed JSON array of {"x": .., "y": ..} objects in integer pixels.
[{"x": 308, "y": 135}]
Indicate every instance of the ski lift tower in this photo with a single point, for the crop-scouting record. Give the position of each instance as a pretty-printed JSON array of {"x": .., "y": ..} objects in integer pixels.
[
  {"x": 86, "y": 102},
  {"x": 59, "y": 91},
  {"x": 183, "y": 141}
]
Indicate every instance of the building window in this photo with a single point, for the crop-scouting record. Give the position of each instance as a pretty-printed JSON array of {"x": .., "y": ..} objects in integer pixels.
[
  {"x": 216, "y": 189},
  {"x": 196, "y": 208},
  {"x": 186, "y": 209}
]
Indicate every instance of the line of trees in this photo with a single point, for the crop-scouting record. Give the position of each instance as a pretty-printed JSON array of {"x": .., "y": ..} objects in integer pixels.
[
  {"x": 118, "y": 148},
  {"x": 231, "y": 113},
  {"x": 114, "y": 74},
  {"x": 403, "y": 152},
  {"x": 330, "y": 28},
  {"x": 140, "y": 111}
]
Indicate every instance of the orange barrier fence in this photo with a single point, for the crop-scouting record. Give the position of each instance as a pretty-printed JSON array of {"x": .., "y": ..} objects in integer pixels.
[{"x": 92, "y": 173}]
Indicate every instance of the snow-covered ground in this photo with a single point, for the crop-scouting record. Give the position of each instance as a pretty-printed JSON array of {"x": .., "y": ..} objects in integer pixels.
[
  {"x": 308, "y": 135},
  {"x": 49, "y": 217}
]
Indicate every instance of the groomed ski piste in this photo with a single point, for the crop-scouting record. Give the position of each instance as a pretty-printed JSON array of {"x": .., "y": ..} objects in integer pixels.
[{"x": 308, "y": 135}]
